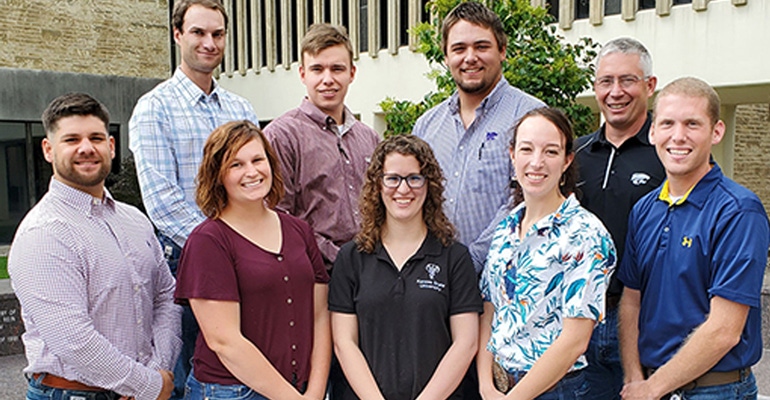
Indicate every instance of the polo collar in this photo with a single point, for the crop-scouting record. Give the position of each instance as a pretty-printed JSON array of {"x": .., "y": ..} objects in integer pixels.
[
  {"x": 699, "y": 193},
  {"x": 429, "y": 247},
  {"x": 643, "y": 136}
]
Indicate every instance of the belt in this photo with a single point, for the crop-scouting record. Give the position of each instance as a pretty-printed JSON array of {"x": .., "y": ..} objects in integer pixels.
[
  {"x": 710, "y": 378},
  {"x": 514, "y": 378},
  {"x": 58, "y": 382}
]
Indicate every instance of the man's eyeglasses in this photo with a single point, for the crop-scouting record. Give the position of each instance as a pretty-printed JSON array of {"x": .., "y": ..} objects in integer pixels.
[
  {"x": 625, "y": 81},
  {"x": 414, "y": 181}
]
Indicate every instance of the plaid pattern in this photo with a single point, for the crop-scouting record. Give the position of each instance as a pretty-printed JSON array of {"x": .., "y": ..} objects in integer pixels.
[
  {"x": 95, "y": 292},
  {"x": 167, "y": 131}
]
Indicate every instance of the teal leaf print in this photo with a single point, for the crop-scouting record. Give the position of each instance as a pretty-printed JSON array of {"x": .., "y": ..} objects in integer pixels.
[
  {"x": 575, "y": 288},
  {"x": 554, "y": 283}
]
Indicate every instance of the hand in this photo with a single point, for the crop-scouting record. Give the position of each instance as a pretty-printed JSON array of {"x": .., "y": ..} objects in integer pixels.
[
  {"x": 491, "y": 394},
  {"x": 168, "y": 384},
  {"x": 638, "y": 390}
]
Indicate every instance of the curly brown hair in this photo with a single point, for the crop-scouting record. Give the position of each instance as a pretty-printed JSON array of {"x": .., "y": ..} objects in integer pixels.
[
  {"x": 568, "y": 181},
  {"x": 220, "y": 149},
  {"x": 373, "y": 209}
]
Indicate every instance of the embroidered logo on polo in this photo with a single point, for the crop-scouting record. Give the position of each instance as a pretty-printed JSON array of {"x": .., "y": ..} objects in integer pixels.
[
  {"x": 431, "y": 283},
  {"x": 639, "y": 178},
  {"x": 686, "y": 241}
]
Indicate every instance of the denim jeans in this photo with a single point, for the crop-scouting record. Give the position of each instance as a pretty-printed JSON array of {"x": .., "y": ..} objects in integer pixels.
[
  {"x": 573, "y": 387},
  {"x": 604, "y": 373},
  {"x": 745, "y": 389},
  {"x": 196, "y": 390},
  {"x": 37, "y": 391},
  {"x": 172, "y": 252}
]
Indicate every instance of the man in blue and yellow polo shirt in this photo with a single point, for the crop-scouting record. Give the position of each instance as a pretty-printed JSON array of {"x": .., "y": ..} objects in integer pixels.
[{"x": 696, "y": 250}]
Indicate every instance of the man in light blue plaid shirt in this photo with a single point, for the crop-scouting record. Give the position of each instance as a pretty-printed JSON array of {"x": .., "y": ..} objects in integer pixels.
[
  {"x": 469, "y": 132},
  {"x": 168, "y": 129}
]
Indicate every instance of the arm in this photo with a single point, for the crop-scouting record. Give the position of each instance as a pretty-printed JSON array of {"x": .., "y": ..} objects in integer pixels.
[
  {"x": 454, "y": 364},
  {"x": 157, "y": 172},
  {"x": 484, "y": 358},
  {"x": 703, "y": 349},
  {"x": 628, "y": 332},
  {"x": 220, "y": 325},
  {"x": 557, "y": 360},
  {"x": 167, "y": 318},
  {"x": 480, "y": 247},
  {"x": 320, "y": 358},
  {"x": 352, "y": 361}
]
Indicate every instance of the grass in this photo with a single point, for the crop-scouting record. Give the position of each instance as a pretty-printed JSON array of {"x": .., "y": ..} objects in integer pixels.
[{"x": 3, "y": 267}]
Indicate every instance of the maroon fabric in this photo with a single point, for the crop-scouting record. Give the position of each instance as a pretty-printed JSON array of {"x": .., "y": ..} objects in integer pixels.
[{"x": 219, "y": 264}]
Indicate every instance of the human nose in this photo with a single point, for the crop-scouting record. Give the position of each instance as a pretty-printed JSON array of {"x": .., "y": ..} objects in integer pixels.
[
  {"x": 208, "y": 42},
  {"x": 470, "y": 56},
  {"x": 403, "y": 186},
  {"x": 85, "y": 147}
]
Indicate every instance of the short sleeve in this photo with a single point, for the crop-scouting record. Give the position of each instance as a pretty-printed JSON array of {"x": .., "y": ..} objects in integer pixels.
[
  {"x": 313, "y": 253},
  {"x": 464, "y": 290},
  {"x": 344, "y": 282}
]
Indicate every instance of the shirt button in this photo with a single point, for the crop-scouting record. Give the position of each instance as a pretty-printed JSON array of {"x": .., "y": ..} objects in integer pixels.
[
  {"x": 294, "y": 347},
  {"x": 293, "y": 362},
  {"x": 286, "y": 278},
  {"x": 139, "y": 321},
  {"x": 462, "y": 148},
  {"x": 279, "y": 258},
  {"x": 350, "y": 187},
  {"x": 665, "y": 229},
  {"x": 291, "y": 323},
  {"x": 288, "y": 301},
  {"x": 451, "y": 200},
  {"x": 136, "y": 288},
  {"x": 457, "y": 174}
]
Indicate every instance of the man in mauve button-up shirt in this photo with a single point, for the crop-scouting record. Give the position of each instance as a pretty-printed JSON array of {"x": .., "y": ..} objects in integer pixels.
[
  {"x": 96, "y": 294},
  {"x": 324, "y": 151}
]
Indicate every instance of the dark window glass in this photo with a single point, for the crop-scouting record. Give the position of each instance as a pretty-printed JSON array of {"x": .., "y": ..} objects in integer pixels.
[
  {"x": 611, "y": 7},
  {"x": 581, "y": 9},
  {"x": 363, "y": 28},
  {"x": 646, "y": 4}
]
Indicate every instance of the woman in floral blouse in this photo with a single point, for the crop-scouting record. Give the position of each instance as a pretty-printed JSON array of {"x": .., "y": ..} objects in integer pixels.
[{"x": 546, "y": 272}]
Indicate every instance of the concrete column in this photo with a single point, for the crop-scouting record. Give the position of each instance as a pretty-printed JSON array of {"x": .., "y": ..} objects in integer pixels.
[
  {"x": 724, "y": 152},
  {"x": 256, "y": 35}
]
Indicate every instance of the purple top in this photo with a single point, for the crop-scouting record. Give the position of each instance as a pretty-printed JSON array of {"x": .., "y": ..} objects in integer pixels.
[
  {"x": 323, "y": 169},
  {"x": 275, "y": 291}
]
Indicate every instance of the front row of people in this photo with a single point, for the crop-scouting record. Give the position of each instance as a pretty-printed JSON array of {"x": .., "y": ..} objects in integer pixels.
[{"x": 403, "y": 302}]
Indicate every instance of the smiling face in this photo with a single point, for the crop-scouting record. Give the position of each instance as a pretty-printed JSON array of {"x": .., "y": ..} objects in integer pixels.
[
  {"x": 80, "y": 151},
  {"x": 683, "y": 134},
  {"x": 201, "y": 40},
  {"x": 473, "y": 58},
  {"x": 327, "y": 76},
  {"x": 539, "y": 158},
  {"x": 403, "y": 203},
  {"x": 248, "y": 176},
  {"x": 624, "y": 106}
]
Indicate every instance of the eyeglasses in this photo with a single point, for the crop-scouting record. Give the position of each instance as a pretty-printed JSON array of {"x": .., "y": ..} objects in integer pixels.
[
  {"x": 625, "y": 81},
  {"x": 393, "y": 181}
]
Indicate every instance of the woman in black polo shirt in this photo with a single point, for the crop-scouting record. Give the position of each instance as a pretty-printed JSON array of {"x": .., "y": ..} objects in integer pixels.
[{"x": 404, "y": 296}]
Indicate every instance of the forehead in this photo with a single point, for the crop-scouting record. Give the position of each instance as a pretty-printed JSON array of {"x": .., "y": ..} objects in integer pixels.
[
  {"x": 333, "y": 55},
  {"x": 616, "y": 64},
  {"x": 539, "y": 130},
  {"x": 464, "y": 32},
  {"x": 200, "y": 16},
  {"x": 681, "y": 106},
  {"x": 396, "y": 160},
  {"x": 80, "y": 125}
]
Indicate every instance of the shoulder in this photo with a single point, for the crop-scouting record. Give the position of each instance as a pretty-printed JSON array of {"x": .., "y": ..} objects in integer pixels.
[
  {"x": 515, "y": 95},
  {"x": 133, "y": 214},
  {"x": 734, "y": 195},
  {"x": 293, "y": 223},
  {"x": 439, "y": 111},
  {"x": 582, "y": 142},
  {"x": 285, "y": 124},
  {"x": 364, "y": 130}
]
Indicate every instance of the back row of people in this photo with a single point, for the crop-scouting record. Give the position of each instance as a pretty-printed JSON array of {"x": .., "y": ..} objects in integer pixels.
[{"x": 403, "y": 293}]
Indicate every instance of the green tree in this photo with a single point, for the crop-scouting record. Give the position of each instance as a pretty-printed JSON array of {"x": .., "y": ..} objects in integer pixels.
[{"x": 538, "y": 62}]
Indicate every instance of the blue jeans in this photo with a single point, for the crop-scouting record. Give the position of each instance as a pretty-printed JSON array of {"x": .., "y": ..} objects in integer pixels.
[
  {"x": 745, "y": 389},
  {"x": 196, "y": 390},
  {"x": 172, "y": 252},
  {"x": 573, "y": 387},
  {"x": 37, "y": 391},
  {"x": 604, "y": 373}
]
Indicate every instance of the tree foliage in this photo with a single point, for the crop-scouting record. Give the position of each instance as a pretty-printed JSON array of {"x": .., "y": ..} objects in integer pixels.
[{"x": 538, "y": 62}]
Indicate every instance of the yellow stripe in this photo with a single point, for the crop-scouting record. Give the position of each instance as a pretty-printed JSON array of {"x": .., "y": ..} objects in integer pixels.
[{"x": 666, "y": 196}]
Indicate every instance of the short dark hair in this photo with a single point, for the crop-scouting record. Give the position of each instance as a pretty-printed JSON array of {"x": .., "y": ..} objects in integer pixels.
[
  {"x": 220, "y": 149},
  {"x": 477, "y": 14},
  {"x": 322, "y": 36},
  {"x": 71, "y": 104},
  {"x": 181, "y": 7},
  {"x": 568, "y": 180}
]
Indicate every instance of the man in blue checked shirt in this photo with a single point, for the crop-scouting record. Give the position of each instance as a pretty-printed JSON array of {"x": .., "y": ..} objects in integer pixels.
[
  {"x": 469, "y": 132},
  {"x": 167, "y": 131}
]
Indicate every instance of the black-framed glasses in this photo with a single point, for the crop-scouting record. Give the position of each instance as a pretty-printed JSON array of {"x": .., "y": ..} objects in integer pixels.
[
  {"x": 414, "y": 181},
  {"x": 625, "y": 81}
]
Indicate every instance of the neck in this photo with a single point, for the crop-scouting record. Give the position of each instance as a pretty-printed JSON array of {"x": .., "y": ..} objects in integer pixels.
[
  {"x": 678, "y": 185},
  {"x": 201, "y": 79},
  {"x": 540, "y": 207},
  {"x": 251, "y": 211},
  {"x": 618, "y": 135},
  {"x": 469, "y": 102},
  {"x": 413, "y": 231}
]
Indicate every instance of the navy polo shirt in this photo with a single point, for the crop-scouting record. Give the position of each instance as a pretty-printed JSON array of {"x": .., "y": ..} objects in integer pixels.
[
  {"x": 613, "y": 179},
  {"x": 403, "y": 316},
  {"x": 712, "y": 242}
]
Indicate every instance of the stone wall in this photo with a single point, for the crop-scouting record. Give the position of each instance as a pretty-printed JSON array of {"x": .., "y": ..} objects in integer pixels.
[
  {"x": 106, "y": 37},
  {"x": 751, "y": 164}
]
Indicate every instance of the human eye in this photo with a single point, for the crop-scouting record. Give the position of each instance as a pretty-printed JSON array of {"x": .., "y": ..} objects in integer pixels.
[
  {"x": 416, "y": 180},
  {"x": 391, "y": 180},
  {"x": 235, "y": 164},
  {"x": 628, "y": 80},
  {"x": 604, "y": 82}
]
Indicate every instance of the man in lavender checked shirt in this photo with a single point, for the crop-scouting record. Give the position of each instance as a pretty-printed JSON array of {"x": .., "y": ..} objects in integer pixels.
[{"x": 95, "y": 291}]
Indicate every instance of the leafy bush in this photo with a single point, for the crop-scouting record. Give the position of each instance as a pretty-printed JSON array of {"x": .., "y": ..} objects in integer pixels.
[{"x": 538, "y": 62}]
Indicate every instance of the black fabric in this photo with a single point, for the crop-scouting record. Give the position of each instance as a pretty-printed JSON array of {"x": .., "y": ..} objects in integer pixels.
[
  {"x": 627, "y": 166},
  {"x": 403, "y": 316}
]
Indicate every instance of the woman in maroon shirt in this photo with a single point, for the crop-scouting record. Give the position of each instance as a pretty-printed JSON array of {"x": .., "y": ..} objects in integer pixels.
[{"x": 254, "y": 278}]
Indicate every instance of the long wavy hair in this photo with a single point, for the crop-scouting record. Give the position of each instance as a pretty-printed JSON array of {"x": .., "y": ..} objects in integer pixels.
[
  {"x": 220, "y": 149},
  {"x": 568, "y": 180},
  {"x": 373, "y": 209}
]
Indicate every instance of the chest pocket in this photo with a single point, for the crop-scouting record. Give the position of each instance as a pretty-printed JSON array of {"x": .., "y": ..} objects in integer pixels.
[{"x": 492, "y": 165}]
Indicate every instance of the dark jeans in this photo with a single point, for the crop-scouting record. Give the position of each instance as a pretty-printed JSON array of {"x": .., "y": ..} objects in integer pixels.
[
  {"x": 572, "y": 387},
  {"x": 37, "y": 391},
  {"x": 604, "y": 373},
  {"x": 744, "y": 389},
  {"x": 189, "y": 325}
]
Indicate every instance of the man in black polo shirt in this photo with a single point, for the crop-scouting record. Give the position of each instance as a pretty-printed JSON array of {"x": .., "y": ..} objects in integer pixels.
[{"x": 618, "y": 165}]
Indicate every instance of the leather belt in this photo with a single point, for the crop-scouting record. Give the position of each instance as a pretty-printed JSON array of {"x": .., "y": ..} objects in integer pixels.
[
  {"x": 710, "y": 378},
  {"x": 58, "y": 382}
]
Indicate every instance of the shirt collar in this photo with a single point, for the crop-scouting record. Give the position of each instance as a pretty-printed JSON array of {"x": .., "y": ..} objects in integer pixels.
[
  {"x": 642, "y": 137},
  {"x": 79, "y": 199},
  {"x": 492, "y": 98},
  {"x": 698, "y": 194},
  {"x": 324, "y": 120},
  {"x": 191, "y": 92},
  {"x": 430, "y": 247},
  {"x": 568, "y": 208}
]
